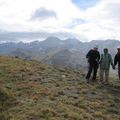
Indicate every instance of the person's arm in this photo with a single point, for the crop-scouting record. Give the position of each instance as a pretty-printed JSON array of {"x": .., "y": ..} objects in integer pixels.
[
  {"x": 88, "y": 54},
  {"x": 111, "y": 61},
  {"x": 101, "y": 58},
  {"x": 98, "y": 57},
  {"x": 115, "y": 60}
]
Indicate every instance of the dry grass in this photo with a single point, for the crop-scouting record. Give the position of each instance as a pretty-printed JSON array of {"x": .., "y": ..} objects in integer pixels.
[{"x": 34, "y": 91}]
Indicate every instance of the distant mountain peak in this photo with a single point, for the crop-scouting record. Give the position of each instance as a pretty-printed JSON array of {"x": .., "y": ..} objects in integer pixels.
[
  {"x": 53, "y": 39},
  {"x": 72, "y": 40}
]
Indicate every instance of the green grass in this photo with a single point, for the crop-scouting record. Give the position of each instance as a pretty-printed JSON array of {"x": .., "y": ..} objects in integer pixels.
[{"x": 33, "y": 91}]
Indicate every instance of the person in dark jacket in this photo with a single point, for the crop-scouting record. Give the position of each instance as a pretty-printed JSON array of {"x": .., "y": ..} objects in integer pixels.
[
  {"x": 117, "y": 60},
  {"x": 93, "y": 57}
]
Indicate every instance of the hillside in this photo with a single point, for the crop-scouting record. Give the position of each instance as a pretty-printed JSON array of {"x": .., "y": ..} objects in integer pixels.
[
  {"x": 66, "y": 59},
  {"x": 33, "y": 91}
]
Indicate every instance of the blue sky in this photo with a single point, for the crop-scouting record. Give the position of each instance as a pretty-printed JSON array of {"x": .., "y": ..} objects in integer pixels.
[
  {"x": 84, "y": 4},
  {"x": 85, "y": 20}
]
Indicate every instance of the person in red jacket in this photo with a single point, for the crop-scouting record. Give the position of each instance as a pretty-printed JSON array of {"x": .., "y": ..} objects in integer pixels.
[
  {"x": 93, "y": 57},
  {"x": 117, "y": 60}
]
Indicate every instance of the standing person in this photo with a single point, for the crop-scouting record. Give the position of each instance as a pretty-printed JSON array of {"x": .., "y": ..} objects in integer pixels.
[
  {"x": 105, "y": 62},
  {"x": 93, "y": 57},
  {"x": 117, "y": 60}
]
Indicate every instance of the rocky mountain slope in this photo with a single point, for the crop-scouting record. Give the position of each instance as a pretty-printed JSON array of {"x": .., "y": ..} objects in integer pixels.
[
  {"x": 33, "y": 91},
  {"x": 50, "y": 50}
]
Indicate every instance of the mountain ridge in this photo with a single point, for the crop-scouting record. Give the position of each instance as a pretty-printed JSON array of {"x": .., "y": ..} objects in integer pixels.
[{"x": 47, "y": 50}]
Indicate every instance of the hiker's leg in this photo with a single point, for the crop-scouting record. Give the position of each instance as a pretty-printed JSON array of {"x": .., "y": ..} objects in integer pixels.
[
  {"x": 107, "y": 75},
  {"x": 95, "y": 72},
  {"x": 101, "y": 75},
  {"x": 119, "y": 72},
  {"x": 89, "y": 71}
]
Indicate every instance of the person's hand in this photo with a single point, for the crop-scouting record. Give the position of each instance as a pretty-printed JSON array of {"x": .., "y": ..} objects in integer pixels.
[
  {"x": 88, "y": 60},
  {"x": 113, "y": 67}
]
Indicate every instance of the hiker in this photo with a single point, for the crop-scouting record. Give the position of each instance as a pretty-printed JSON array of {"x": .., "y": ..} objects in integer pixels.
[
  {"x": 117, "y": 60},
  {"x": 105, "y": 62},
  {"x": 93, "y": 57}
]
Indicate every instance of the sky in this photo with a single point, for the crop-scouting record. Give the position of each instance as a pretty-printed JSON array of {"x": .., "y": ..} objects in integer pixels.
[{"x": 85, "y": 20}]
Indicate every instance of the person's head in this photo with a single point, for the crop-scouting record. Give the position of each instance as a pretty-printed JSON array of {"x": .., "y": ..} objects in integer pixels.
[
  {"x": 105, "y": 50},
  {"x": 118, "y": 48},
  {"x": 95, "y": 48}
]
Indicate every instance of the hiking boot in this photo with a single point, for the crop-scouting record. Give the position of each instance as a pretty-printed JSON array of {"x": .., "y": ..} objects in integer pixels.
[
  {"x": 94, "y": 80},
  {"x": 101, "y": 82},
  {"x": 88, "y": 80},
  {"x": 106, "y": 83}
]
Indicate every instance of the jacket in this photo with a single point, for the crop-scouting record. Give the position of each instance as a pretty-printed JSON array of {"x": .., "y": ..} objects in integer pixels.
[
  {"x": 117, "y": 59},
  {"x": 93, "y": 57},
  {"x": 105, "y": 61}
]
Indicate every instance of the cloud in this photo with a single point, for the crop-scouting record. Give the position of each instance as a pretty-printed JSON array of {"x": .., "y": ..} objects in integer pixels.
[
  {"x": 112, "y": 11},
  {"x": 42, "y": 14},
  {"x": 103, "y": 21},
  {"x": 16, "y": 14},
  {"x": 75, "y": 22},
  {"x": 33, "y": 36},
  {"x": 98, "y": 21}
]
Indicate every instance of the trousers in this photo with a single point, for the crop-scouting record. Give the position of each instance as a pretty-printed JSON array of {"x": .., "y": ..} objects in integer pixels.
[
  {"x": 104, "y": 75},
  {"x": 92, "y": 68},
  {"x": 119, "y": 72}
]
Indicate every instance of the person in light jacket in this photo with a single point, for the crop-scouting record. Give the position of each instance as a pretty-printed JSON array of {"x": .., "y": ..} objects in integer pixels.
[{"x": 105, "y": 62}]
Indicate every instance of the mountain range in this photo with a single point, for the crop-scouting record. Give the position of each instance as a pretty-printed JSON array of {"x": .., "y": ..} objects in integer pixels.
[{"x": 66, "y": 53}]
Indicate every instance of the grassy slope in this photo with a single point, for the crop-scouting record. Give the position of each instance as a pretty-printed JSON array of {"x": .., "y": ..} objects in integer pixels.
[{"x": 33, "y": 91}]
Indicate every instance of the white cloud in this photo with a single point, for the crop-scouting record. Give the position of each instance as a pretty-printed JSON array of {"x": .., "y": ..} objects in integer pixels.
[
  {"x": 42, "y": 14},
  {"x": 98, "y": 22},
  {"x": 103, "y": 21}
]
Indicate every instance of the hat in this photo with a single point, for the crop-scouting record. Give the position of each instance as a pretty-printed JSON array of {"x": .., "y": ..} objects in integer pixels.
[
  {"x": 105, "y": 48},
  {"x": 96, "y": 46},
  {"x": 118, "y": 47}
]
